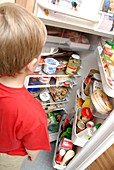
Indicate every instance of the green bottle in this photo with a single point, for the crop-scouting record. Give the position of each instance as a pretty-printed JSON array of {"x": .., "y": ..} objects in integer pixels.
[{"x": 66, "y": 134}]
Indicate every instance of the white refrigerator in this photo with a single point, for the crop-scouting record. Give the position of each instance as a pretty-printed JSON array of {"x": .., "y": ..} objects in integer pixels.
[{"x": 90, "y": 21}]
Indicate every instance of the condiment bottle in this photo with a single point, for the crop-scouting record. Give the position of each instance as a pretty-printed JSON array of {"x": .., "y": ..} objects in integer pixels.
[
  {"x": 73, "y": 65},
  {"x": 60, "y": 155},
  {"x": 67, "y": 133},
  {"x": 86, "y": 114}
]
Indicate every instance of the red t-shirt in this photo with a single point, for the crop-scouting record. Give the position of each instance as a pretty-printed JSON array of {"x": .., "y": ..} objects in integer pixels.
[{"x": 23, "y": 122}]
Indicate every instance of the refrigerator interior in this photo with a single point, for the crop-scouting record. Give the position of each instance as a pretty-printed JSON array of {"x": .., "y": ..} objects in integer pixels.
[{"x": 104, "y": 136}]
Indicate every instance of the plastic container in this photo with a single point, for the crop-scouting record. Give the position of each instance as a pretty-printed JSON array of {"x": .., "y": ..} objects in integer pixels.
[
  {"x": 44, "y": 79},
  {"x": 50, "y": 65},
  {"x": 101, "y": 102},
  {"x": 44, "y": 96}
]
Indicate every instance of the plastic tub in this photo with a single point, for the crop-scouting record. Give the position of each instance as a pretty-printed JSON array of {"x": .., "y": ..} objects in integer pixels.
[
  {"x": 44, "y": 79},
  {"x": 50, "y": 65}
]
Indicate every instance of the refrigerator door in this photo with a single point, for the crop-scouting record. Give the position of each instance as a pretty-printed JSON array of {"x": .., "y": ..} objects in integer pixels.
[{"x": 101, "y": 141}]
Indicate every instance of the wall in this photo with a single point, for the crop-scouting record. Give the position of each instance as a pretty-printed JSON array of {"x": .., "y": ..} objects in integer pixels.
[
  {"x": 1, "y": 1},
  {"x": 28, "y": 4}
]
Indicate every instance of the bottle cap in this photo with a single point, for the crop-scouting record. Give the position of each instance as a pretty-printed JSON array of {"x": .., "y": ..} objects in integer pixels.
[
  {"x": 98, "y": 125},
  {"x": 76, "y": 56},
  {"x": 69, "y": 130},
  {"x": 86, "y": 112}
]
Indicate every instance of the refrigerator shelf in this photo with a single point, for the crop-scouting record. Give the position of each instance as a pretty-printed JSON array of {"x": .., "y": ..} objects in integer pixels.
[
  {"x": 36, "y": 75},
  {"x": 70, "y": 45},
  {"x": 53, "y": 18},
  {"x": 54, "y": 81},
  {"x": 67, "y": 11},
  {"x": 51, "y": 103},
  {"x": 55, "y": 109},
  {"x": 50, "y": 85}
]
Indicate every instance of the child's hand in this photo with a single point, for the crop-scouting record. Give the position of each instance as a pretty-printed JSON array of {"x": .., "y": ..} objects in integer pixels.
[
  {"x": 29, "y": 158},
  {"x": 32, "y": 154}
]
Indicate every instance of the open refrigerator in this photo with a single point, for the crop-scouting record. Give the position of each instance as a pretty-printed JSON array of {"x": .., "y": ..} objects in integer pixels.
[{"x": 60, "y": 23}]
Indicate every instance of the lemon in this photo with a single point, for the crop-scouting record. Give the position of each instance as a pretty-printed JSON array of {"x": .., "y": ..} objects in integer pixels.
[{"x": 86, "y": 103}]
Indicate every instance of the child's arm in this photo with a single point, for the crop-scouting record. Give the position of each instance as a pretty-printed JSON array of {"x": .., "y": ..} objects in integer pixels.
[{"x": 32, "y": 154}]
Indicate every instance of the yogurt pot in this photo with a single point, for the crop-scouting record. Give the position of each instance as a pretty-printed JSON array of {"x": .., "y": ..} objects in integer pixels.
[
  {"x": 44, "y": 79},
  {"x": 50, "y": 65}
]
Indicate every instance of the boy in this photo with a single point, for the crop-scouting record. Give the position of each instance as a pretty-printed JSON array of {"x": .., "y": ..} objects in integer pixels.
[{"x": 23, "y": 122}]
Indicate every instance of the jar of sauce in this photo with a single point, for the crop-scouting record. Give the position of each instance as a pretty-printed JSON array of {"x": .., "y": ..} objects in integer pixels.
[
  {"x": 85, "y": 115},
  {"x": 73, "y": 65}
]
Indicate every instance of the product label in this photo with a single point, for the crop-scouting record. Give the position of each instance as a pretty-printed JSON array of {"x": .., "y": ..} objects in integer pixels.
[{"x": 71, "y": 70}]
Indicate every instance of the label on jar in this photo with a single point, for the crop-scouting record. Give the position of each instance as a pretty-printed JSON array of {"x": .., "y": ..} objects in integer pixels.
[{"x": 71, "y": 70}]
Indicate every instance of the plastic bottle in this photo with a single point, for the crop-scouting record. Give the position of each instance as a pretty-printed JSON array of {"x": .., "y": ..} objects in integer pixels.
[{"x": 66, "y": 134}]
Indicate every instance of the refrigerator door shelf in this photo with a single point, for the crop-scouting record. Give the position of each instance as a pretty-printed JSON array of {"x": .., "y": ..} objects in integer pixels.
[
  {"x": 77, "y": 139},
  {"x": 108, "y": 84},
  {"x": 81, "y": 138},
  {"x": 55, "y": 165},
  {"x": 53, "y": 135}
]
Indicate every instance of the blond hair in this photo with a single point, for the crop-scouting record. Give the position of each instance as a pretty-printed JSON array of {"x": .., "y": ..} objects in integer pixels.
[{"x": 22, "y": 37}]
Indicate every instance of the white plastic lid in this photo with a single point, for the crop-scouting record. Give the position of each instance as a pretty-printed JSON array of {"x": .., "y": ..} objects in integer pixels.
[
  {"x": 44, "y": 96},
  {"x": 76, "y": 56}
]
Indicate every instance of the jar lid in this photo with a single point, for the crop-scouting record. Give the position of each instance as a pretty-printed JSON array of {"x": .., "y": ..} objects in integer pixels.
[
  {"x": 76, "y": 56},
  {"x": 44, "y": 96},
  {"x": 86, "y": 112},
  {"x": 81, "y": 125}
]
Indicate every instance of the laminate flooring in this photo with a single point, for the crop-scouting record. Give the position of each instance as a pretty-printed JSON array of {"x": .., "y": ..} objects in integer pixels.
[{"x": 104, "y": 161}]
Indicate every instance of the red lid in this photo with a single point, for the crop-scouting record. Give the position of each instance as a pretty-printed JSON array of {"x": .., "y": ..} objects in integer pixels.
[{"x": 86, "y": 112}]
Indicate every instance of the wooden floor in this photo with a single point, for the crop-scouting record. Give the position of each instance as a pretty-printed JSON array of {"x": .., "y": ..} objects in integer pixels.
[{"x": 105, "y": 161}]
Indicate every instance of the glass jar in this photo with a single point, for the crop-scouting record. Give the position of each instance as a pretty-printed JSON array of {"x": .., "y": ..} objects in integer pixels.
[{"x": 73, "y": 65}]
